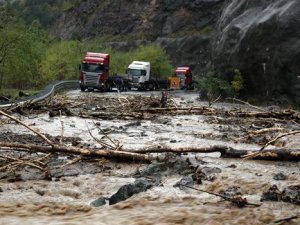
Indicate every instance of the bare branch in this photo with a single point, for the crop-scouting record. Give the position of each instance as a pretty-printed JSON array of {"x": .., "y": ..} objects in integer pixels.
[{"x": 28, "y": 127}]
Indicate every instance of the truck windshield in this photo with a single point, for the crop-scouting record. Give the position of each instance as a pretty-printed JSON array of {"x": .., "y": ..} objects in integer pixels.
[
  {"x": 92, "y": 67},
  {"x": 135, "y": 72}
]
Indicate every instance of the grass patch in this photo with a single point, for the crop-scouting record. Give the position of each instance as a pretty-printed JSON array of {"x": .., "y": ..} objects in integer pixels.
[{"x": 14, "y": 94}]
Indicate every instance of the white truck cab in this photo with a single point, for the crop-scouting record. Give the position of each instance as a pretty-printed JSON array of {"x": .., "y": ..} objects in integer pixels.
[{"x": 139, "y": 73}]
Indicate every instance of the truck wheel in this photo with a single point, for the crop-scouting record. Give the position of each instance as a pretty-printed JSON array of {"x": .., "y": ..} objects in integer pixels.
[
  {"x": 82, "y": 88},
  {"x": 152, "y": 87}
]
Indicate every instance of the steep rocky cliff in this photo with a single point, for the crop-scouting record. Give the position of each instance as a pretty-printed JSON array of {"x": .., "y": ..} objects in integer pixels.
[
  {"x": 261, "y": 38},
  {"x": 147, "y": 19}
]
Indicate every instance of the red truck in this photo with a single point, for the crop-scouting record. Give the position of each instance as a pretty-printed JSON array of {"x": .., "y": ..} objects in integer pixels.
[
  {"x": 94, "y": 72},
  {"x": 186, "y": 77}
]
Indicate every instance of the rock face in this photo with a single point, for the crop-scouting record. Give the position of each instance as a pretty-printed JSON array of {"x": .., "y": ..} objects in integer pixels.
[
  {"x": 146, "y": 19},
  {"x": 193, "y": 51},
  {"x": 261, "y": 38}
]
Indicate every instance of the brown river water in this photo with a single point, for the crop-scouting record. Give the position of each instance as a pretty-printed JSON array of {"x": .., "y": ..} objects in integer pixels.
[{"x": 67, "y": 200}]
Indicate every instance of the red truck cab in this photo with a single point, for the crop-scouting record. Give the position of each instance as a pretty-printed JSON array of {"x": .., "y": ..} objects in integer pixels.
[
  {"x": 185, "y": 76},
  {"x": 94, "y": 71}
]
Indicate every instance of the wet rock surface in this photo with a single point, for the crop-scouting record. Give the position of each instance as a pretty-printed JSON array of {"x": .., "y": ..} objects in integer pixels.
[
  {"x": 207, "y": 173},
  {"x": 185, "y": 181},
  {"x": 98, "y": 202},
  {"x": 279, "y": 176},
  {"x": 260, "y": 38},
  {"x": 273, "y": 194},
  {"x": 289, "y": 194},
  {"x": 128, "y": 190},
  {"x": 167, "y": 165}
]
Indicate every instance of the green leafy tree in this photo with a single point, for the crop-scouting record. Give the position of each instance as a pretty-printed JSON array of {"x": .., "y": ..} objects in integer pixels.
[
  {"x": 213, "y": 87},
  {"x": 160, "y": 63},
  {"x": 21, "y": 48},
  {"x": 120, "y": 61},
  {"x": 60, "y": 61}
]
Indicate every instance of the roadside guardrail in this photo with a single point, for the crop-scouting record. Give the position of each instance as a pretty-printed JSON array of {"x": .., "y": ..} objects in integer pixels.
[{"x": 48, "y": 92}]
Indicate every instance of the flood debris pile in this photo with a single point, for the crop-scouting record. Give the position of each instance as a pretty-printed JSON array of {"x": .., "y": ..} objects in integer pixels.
[
  {"x": 259, "y": 126},
  {"x": 43, "y": 156},
  {"x": 140, "y": 106},
  {"x": 102, "y": 107}
]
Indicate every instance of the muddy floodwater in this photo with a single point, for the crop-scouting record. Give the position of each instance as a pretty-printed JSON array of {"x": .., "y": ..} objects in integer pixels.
[{"x": 66, "y": 198}]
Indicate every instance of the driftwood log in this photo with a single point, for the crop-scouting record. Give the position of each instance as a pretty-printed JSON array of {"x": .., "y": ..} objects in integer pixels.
[
  {"x": 120, "y": 155},
  {"x": 283, "y": 115},
  {"x": 228, "y": 152},
  {"x": 142, "y": 155}
]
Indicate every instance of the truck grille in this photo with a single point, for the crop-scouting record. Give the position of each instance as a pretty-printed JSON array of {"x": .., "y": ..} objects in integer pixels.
[
  {"x": 91, "y": 80},
  {"x": 135, "y": 80}
]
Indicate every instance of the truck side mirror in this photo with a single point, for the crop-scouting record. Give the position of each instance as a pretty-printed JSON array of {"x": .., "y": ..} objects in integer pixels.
[
  {"x": 126, "y": 71},
  {"x": 79, "y": 67}
]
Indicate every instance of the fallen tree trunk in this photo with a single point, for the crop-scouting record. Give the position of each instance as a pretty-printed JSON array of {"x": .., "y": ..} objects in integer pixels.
[
  {"x": 139, "y": 155},
  {"x": 227, "y": 152},
  {"x": 129, "y": 156},
  {"x": 276, "y": 115},
  {"x": 187, "y": 110},
  {"x": 289, "y": 115}
]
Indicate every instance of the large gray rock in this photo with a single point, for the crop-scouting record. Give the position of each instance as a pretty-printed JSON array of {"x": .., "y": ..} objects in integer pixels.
[
  {"x": 128, "y": 190},
  {"x": 261, "y": 38}
]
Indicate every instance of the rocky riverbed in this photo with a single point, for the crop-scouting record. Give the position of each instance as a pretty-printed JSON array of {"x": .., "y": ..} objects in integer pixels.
[{"x": 101, "y": 191}]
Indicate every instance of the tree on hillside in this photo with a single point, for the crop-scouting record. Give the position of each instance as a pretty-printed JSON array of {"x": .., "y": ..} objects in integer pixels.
[
  {"x": 20, "y": 50},
  {"x": 160, "y": 63},
  {"x": 60, "y": 61}
]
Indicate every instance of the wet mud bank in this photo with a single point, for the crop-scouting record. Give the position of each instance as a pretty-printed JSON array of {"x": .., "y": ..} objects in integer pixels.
[{"x": 64, "y": 188}]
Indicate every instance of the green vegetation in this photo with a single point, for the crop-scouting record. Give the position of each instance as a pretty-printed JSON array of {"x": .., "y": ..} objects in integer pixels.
[
  {"x": 60, "y": 62},
  {"x": 213, "y": 87},
  {"x": 15, "y": 93},
  {"x": 21, "y": 48},
  {"x": 160, "y": 64}
]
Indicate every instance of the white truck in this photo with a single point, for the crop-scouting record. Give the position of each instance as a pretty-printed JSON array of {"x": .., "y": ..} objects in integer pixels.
[{"x": 140, "y": 77}]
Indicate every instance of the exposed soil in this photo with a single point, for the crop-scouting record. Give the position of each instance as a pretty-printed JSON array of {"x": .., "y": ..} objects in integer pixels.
[{"x": 66, "y": 193}]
